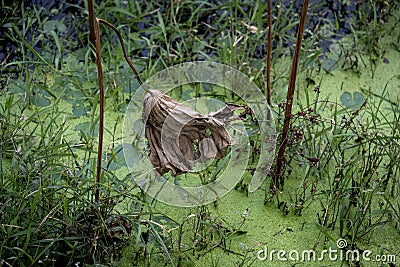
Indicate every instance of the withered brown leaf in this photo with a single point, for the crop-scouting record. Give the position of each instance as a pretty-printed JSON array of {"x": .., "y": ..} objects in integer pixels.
[{"x": 178, "y": 136}]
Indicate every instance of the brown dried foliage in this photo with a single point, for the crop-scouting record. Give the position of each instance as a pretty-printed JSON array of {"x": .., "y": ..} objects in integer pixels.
[{"x": 179, "y": 136}]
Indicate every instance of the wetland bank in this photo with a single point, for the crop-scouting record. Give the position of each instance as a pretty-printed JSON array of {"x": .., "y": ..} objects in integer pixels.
[{"x": 342, "y": 172}]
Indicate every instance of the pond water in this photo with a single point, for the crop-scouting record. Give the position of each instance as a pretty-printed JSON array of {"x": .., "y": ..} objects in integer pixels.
[{"x": 349, "y": 70}]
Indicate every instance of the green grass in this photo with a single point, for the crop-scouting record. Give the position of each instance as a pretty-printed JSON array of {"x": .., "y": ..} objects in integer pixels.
[{"x": 342, "y": 172}]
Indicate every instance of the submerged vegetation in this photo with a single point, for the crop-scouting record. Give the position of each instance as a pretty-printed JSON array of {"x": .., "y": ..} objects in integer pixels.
[{"x": 341, "y": 175}]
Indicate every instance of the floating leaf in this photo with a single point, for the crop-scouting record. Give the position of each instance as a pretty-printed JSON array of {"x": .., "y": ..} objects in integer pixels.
[
  {"x": 358, "y": 98},
  {"x": 79, "y": 108},
  {"x": 347, "y": 99},
  {"x": 329, "y": 64},
  {"x": 85, "y": 127},
  {"x": 54, "y": 25},
  {"x": 353, "y": 101},
  {"x": 17, "y": 87},
  {"x": 40, "y": 100}
]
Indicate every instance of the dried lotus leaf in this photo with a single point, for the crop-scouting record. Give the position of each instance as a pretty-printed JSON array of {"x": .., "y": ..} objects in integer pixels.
[{"x": 178, "y": 136}]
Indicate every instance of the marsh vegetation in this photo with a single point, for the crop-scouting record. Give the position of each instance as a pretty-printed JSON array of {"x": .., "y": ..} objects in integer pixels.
[{"x": 341, "y": 178}]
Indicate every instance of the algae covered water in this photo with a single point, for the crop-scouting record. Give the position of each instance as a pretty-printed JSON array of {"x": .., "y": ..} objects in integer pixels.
[{"x": 339, "y": 204}]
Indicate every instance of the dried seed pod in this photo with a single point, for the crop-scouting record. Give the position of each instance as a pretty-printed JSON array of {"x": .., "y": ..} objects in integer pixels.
[{"x": 179, "y": 136}]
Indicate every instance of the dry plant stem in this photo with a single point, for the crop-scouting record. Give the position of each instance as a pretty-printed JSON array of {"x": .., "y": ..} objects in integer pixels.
[
  {"x": 101, "y": 88},
  {"x": 124, "y": 52},
  {"x": 91, "y": 23},
  {"x": 278, "y": 179},
  {"x": 101, "y": 121},
  {"x": 269, "y": 48}
]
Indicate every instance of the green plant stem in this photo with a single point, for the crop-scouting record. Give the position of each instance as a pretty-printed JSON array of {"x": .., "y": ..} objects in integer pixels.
[{"x": 289, "y": 99}]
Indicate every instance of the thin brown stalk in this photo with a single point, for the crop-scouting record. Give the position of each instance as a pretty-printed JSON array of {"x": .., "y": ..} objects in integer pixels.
[
  {"x": 269, "y": 49},
  {"x": 121, "y": 40},
  {"x": 101, "y": 88},
  {"x": 91, "y": 23},
  {"x": 101, "y": 122},
  {"x": 280, "y": 164}
]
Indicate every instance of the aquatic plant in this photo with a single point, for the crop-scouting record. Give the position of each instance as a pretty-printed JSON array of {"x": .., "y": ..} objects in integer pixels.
[{"x": 341, "y": 169}]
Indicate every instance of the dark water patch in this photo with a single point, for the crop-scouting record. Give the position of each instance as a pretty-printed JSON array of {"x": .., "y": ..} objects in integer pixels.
[
  {"x": 201, "y": 19},
  {"x": 34, "y": 20}
]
